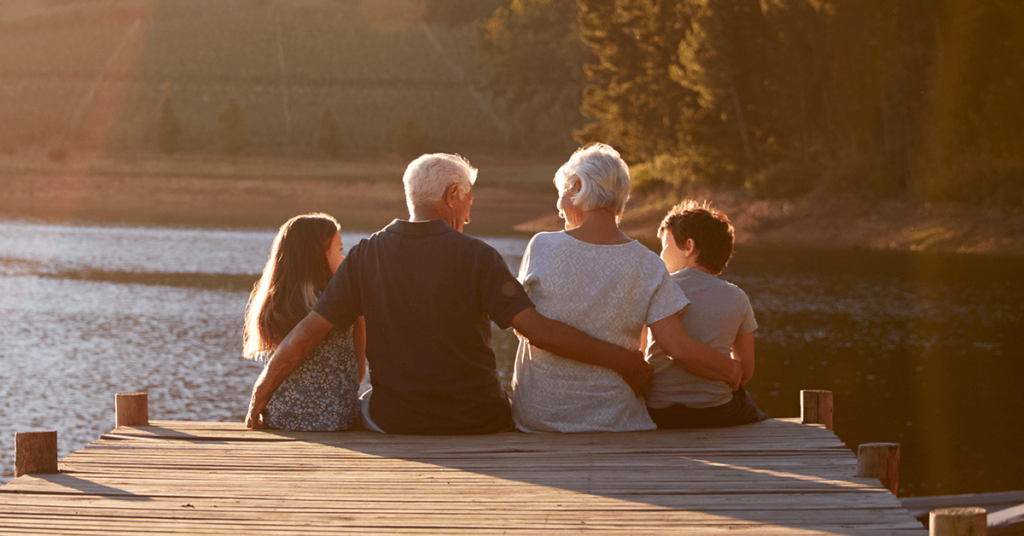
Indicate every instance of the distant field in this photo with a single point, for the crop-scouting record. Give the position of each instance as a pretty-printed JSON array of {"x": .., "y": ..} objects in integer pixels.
[
  {"x": 252, "y": 192},
  {"x": 530, "y": 173},
  {"x": 99, "y": 70}
]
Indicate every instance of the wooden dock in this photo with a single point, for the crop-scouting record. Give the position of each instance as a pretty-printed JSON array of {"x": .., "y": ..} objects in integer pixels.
[{"x": 775, "y": 477}]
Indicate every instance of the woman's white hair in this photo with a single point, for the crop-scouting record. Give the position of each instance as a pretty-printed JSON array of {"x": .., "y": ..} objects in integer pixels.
[
  {"x": 427, "y": 177},
  {"x": 602, "y": 175}
]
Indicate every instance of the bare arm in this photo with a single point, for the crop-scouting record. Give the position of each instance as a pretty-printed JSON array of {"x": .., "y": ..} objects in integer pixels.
[
  {"x": 293, "y": 349},
  {"x": 359, "y": 332},
  {"x": 571, "y": 343},
  {"x": 743, "y": 351},
  {"x": 692, "y": 356}
]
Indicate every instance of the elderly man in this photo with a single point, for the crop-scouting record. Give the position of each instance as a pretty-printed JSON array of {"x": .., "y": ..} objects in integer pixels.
[{"x": 428, "y": 294}]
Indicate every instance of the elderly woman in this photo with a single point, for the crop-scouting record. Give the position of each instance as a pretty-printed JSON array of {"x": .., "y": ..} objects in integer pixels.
[{"x": 598, "y": 280}]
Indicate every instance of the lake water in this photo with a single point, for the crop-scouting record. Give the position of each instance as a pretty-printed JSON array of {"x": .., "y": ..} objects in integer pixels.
[{"x": 923, "y": 350}]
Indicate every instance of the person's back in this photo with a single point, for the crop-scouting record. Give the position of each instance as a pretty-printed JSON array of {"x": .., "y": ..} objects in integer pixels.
[
  {"x": 595, "y": 278},
  {"x": 607, "y": 291},
  {"x": 429, "y": 328},
  {"x": 320, "y": 394},
  {"x": 697, "y": 242},
  {"x": 718, "y": 312}
]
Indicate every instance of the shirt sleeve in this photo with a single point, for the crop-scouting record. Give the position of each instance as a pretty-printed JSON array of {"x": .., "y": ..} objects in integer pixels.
[
  {"x": 667, "y": 298},
  {"x": 341, "y": 303},
  {"x": 749, "y": 323},
  {"x": 502, "y": 295},
  {"x": 526, "y": 263}
]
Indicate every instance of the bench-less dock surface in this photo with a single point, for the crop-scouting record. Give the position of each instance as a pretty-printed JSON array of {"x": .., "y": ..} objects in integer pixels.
[{"x": 775, "y": 477}]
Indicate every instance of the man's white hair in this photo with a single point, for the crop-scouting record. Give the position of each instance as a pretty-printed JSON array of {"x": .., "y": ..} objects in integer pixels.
[
  {"x": 602, "y": 175},
  {"x": 427, "y": 177}
]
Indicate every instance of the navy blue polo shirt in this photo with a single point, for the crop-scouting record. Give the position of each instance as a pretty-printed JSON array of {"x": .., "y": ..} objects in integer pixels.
[{"x": 428, "y": 294}]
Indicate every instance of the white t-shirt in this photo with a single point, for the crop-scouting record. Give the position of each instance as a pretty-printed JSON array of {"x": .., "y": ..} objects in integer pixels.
[
  {"x": 607, "y": 291},
  {"x": 718, "y": 312}
]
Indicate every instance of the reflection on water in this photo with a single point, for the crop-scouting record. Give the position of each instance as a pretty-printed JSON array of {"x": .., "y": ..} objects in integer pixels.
[
  {"x": 68, "y": 346},
  {"x": 154, "y": 249},
  {"x": 139, "y": 249},
  {"x": 920, "y": 350}
]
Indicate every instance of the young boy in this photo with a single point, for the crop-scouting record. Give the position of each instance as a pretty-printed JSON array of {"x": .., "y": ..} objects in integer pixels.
[{"x": 697, "y": 242}]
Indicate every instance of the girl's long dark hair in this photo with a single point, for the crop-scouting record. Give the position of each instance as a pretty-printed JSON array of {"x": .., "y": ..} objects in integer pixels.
[{"x": 296, "y": 273}]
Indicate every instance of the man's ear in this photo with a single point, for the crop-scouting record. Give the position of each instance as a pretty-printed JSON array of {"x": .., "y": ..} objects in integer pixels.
[{"x": 451, "y": 194}]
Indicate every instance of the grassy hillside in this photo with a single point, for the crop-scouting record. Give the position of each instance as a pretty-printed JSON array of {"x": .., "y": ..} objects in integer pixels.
[{"x": 96, "y": 72}]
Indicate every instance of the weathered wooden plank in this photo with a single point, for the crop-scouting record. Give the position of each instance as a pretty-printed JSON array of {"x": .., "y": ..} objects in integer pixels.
[
  {"x": 254, "y": 488},
  {"x": 441, "y": 520},
  {"x": 178, "y": 508},
  {"x": 1006, "y": 521},
  {"x": 526, "y": 501},
  {"x": 206, "y": 431},
  {"x": 439, "y": 517},
  {"x": 990, "y": 501},
  {"x": 553, "y": 477},
  {"x": 749, "y": 529}
]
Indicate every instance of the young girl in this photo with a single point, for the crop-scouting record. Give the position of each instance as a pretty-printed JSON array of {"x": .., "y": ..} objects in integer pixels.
[{"x": 321, "y": 393}]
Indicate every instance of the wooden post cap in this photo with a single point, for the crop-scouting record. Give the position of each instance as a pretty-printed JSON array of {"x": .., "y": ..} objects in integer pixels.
[
  {"x": 131, "y": 409},
  {"x": 881, "y": 461},
  {"x": 816, "y": 407},
  {"x": 963, "y": 521},
  {"x": 35, "y": 452}
]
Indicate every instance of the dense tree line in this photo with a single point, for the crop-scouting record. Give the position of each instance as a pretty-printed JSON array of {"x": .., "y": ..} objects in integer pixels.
[
  {"x": 919, "y": 98},
  {"x": 913, "y": 98}
]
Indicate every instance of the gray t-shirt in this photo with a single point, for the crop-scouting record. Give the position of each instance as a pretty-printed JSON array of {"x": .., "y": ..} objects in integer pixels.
[{"x": 718, "y": 312}]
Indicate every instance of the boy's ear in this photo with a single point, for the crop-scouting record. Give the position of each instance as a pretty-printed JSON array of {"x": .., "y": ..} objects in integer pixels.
[{"x": 690, "y": 247}]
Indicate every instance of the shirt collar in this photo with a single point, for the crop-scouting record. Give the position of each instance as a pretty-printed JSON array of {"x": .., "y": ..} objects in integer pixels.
[
  {"x": 692, "y": 272},
  {"x": 419, "y": 228}
]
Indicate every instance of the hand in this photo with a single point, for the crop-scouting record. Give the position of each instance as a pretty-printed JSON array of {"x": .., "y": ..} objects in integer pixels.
[
  {"x": 254, "y": 419},
  {"x": 737, "y": 376},
  {"x": 637, "y": 373}
]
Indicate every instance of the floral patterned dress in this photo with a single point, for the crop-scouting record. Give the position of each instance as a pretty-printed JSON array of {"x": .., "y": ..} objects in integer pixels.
[{"x": 320, "y": 395}]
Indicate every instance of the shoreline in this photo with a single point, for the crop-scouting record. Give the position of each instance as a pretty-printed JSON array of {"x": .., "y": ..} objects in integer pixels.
[
  {"x": 840, "y": 221},
  {"x": 514, "y": 197}
]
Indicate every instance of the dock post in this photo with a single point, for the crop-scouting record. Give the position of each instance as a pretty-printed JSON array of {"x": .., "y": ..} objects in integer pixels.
[
  {"x": 881, "y": 461},
  {"x": 965, "y": 521},
  {"x": 816, "y": 407},
  {"x": 131, "y": 409},
  {"x": 35, "y": 452}
]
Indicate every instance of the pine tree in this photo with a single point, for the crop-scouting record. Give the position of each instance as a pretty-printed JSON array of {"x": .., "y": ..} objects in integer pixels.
[
  {"x": 802, "y": 74},
  {"x": 636, "y": 105},
  {"x": 232, "y": 129},
  {"x": 726, "y": 60},
  {"x": 329, "y": 135},
  {"x": 534, "y": 57},
  {"x": 169, "y": 136}
]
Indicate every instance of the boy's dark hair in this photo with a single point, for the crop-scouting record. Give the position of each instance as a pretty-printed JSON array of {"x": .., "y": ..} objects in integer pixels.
[{"x": 710, "y": 229}]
